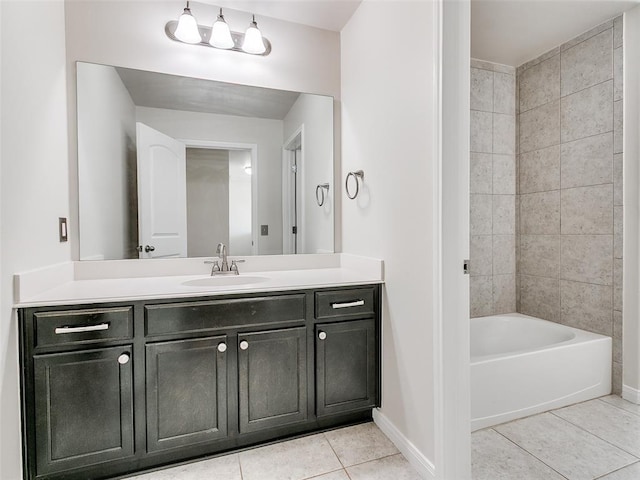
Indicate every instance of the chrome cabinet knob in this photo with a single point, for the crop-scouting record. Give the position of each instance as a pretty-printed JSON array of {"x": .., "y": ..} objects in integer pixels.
[
  {"x": 222, "y": 347},
  {"x": 149, "y": 248},
  {"x": 124, "y": 359},
  {"x": 322, "y": 335},
  {"x": 244, "y": 345}
]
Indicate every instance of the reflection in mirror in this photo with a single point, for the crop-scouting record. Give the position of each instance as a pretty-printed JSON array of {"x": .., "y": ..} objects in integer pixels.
[{"x": 171, "y": 166}]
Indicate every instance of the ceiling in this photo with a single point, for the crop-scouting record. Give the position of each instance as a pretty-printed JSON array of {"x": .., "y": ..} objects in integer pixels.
[
  {"x": 326, "y": 14},
  {"x": 513, "y": 32},
  {"x": 150, "y": 89}
]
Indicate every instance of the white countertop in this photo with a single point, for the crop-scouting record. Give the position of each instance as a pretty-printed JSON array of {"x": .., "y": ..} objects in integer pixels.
[{"x": 40, "y": 288}]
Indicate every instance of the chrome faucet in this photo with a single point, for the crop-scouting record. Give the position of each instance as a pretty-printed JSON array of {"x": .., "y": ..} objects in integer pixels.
[
  {"x": 221, "y": 266},
  {"x": 221, "y": 251}
]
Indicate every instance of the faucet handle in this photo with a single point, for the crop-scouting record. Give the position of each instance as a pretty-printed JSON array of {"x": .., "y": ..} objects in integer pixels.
[
  {"x": 215, "y": 267},
  {"x": 234, "y": 266}
]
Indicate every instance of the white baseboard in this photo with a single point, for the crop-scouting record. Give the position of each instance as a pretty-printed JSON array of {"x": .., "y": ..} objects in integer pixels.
[
  {"x": 422, "y": 464},
  {"x": 630, "y": 394}
]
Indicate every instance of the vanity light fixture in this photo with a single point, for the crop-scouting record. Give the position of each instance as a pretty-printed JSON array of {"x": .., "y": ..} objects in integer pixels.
[
  {"x": 187, "y": 30},
  {"x": 220, "y": 34},
  {"x": 253, "y": 42},
  {"x": 247, "y": 169}
]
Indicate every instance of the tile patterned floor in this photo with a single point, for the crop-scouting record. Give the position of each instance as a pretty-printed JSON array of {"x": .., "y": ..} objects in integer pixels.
[
  {"x": 598, "y": 439},
  {"x": 360, "y": 452}
]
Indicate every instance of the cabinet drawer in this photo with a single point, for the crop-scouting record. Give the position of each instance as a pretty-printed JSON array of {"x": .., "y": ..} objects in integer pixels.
[
  {"x": 340, "y": 303},
  {"x": 83, "y": 326},
  {"x": 190, "y": 317}
]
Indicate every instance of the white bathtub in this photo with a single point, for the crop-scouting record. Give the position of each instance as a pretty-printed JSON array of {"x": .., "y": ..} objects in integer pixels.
[{"x": 522, "y": 365}]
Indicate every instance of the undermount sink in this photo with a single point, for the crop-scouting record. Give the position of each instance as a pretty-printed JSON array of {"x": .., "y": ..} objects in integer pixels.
[{"x": 224, "y": 280}]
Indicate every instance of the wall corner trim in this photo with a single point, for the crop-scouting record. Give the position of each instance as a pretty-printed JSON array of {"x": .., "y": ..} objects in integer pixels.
[{"x": 422, "y": 464}]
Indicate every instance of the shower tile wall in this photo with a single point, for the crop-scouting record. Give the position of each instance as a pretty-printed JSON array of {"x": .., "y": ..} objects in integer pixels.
[
  {"x": 570, "y": 185},
  {"x": 493, "y": 189}
]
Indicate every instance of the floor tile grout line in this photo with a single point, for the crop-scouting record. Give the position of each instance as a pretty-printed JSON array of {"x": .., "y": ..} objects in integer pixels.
[
  {"x": 376, "y": 459},
  {"x": 326, "y": 473},
  {"x": 529, "y": 453},
  {"x": 333, "y": 450},
  {"x": 240, "y": 467},
  {"x": 621, "y": 468},
  {"x": 618, "y": 407},
  {"x": 594, "y": 434}
]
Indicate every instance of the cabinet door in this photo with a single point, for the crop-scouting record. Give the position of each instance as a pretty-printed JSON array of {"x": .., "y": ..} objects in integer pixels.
[
  {"x": 83, "y": 408},
  {"x": 346, "y": 367},
  {"x": 186, "y": 392},
  {"x": 272, "y": 375}
]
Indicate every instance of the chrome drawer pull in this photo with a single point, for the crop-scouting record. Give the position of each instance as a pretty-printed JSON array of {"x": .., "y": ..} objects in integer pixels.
[
  {"x": 356, "y": 303},
  {"x": 88, "y": 328}
]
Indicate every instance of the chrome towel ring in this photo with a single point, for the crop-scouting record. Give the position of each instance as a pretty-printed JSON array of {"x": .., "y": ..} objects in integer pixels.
[
  {"x": 320, "y": 195},
  {"x": 358, "y": 176}
]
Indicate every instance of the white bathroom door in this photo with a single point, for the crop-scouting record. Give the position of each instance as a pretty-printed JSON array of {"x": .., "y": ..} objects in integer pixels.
[{"x": 162, "y": 194}]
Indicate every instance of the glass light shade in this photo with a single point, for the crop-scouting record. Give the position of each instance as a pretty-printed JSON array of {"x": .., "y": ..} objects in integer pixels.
[
  {"x": 247, "y": 169},
  {"x": 187, "y": 30},
  {"x": 220, "y": 34},
  {"x": 253, "y": 42}
]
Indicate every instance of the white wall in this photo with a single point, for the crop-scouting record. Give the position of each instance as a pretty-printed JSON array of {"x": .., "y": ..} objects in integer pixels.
[
  {"x": 631, "y": 254},
  {"x": 34, "y": 176},
  {"x": 316, "y": 114},
  {"x": 106, "y": 141},
  {"x": 266, "y": 133},
  {"x": 388, "y": 102},
  {"x": 131, "y": 34}
]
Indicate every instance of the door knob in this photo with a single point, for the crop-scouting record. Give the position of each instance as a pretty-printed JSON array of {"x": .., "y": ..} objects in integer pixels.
[
  {"x": 123, "y": 359},
  {"x": 244, "y": 345},
  {"x": 322, "y": 335},
  {"x": 149, "y": 248},
  {"x": 222, "y": 347}
]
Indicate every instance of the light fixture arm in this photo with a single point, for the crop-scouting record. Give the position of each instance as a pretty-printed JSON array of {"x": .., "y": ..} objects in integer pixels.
[{"x": 205, "y": 33}]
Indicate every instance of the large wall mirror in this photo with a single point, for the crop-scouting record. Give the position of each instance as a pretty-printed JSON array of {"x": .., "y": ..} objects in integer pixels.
[{"x": 170, "y": 166}]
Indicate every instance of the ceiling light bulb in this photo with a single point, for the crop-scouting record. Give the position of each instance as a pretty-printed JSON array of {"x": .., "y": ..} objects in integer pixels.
[
  {"x": 220, "y": 34},
  {"x": 253, "y": 42},
  {"x": 187, "y": 30}
]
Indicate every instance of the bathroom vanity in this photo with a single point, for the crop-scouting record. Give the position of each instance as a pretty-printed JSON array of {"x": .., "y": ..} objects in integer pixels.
[{"x": 110, "y": 388}]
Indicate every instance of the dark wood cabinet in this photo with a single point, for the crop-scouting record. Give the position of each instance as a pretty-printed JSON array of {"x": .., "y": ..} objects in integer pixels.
[
  {"x": 346, "y": 366},
  {"x": 83, "y": 408},
  {"x": 186, "y": 392},
  {"x": 111, "y": 389},
  {"x": 272, "y": 378}
]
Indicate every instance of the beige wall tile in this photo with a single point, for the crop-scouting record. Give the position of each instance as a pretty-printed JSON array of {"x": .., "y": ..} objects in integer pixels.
[
  {"x": 616, "y": 378},
  {"x": 481, "y": 215},
  {"x": 540, "y": 170},
  {"x": 504, "y": 174},
  {"x": 617, "y": 127},
  {"x": 504, "y": 293},
  {"x": 532, "y": 63},
  {"x": 504, "y": 86},
  {"x": 540, "y": 297},
  {"x": 481, "y": 253},
  {"x": 587, "y": 35},
  {"x": 587, "y": 63},
  {"x": 588, "y": 161},
  {"x": 617, "y": 31},
  {"x": 481, "y": 90},
  {"x": 540, "y": 84},
  {"x": 587, "y": 258},
  {"x": 540, "y": 255},
  {"x": 617, "y": 284},
  {"x": 504, "y": 254},
  {"x": 618, "y": 192},
  {"x": 504, "y": 134},
  {"x": 481, "y": 296},
  {"x": 587, "y": 112},
  {"x": 481, "y": 178},
  {"x": 618, "y": 72},
  {"x": 617, "y": 231},
  {"x": 540, "y": 127},
  {"x": 481, "y": 131},
  {"x": 504, "y": 214},
  {"x": 540, "y": 213},
  {"x": 587, "y": 306},
  {"x": 587, "y": 210},
  {"x": 617, "y": 325}
]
